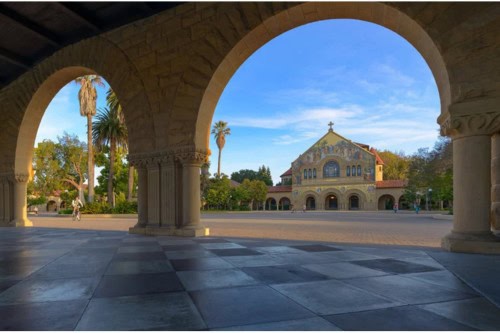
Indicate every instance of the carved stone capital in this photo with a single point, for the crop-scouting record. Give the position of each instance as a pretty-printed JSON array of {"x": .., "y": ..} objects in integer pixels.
[
  {"x": 189, "y": 155},
  {"x": 21, "y": 177},
  {"x": 480, "y": 117},
  {"x": 457, "y": 126}
]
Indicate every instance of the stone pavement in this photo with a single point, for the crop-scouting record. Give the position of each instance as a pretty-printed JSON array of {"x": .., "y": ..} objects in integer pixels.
[{"x": 70, "y": 279}]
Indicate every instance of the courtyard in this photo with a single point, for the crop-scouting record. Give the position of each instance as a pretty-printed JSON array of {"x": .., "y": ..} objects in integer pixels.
[{"x": 93, "y": 275}]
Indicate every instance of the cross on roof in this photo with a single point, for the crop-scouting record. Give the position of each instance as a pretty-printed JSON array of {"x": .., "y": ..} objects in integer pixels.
[{"x": 331, "y": 125}]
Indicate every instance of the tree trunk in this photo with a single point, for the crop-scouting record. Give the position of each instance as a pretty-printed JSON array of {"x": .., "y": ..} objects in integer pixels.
[
  {"x": 112, "y": 149},
  {"x": 90, "y": 159},
  {"x": 130, "y": 182},
  {"x": 218, "y": 163}
]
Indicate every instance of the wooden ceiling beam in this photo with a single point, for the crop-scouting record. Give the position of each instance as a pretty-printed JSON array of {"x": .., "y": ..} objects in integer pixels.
[
  {"x": 78, "y": 15},
  {"x": 22, "y": 22},
  {"x": 14, "y": 59}
]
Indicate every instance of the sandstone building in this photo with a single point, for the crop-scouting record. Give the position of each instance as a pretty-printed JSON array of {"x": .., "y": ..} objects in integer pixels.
[{"x": 336, "y": 174}]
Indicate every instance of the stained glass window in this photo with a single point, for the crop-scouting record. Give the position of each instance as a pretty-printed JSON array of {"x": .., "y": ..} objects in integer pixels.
[{"x": 331, "y": 169}]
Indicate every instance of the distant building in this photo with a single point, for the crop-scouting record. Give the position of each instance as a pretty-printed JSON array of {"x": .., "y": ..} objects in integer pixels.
[{"x": 336, "y": 174}]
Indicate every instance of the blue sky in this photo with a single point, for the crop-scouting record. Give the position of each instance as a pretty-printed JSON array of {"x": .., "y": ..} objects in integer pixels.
[{"x": 369, "y": 81}]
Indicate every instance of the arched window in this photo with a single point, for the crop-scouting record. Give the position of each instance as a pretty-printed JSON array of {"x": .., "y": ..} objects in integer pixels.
[
  {"x": 359, "y": 170},
  {"x": 331, "y": 169},
  {"x": 314, "y": 173},
  {"x": 348, "y": 171},
  {"x": 309, "y": 174},
  {"x": 353, "y": 168},
  {"x": 305, "y": 173}
]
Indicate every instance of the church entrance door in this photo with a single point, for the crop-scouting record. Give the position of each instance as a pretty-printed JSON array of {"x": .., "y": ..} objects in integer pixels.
[
  {"x": 354, "y": 202},
  {"x": 310, "y": 203},
  {"x": 331, "y": 202}
]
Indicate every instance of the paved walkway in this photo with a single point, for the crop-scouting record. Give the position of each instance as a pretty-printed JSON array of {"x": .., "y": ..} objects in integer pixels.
[
  {"x": 75, "y": 279},
  {"x": 403, "y": 228}
]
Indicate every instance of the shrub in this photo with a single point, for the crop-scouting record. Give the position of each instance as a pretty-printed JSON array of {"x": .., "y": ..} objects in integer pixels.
[
  {"x": 96, "y": 208},
  {"x": 125, "y": 207},
  {"x": 65, "y": 211}
]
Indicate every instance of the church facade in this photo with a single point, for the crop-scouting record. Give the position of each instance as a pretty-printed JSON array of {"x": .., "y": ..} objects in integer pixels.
[{"x": 336, "y": 174}]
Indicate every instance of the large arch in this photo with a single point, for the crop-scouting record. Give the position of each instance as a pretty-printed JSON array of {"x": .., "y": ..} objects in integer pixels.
[
  {"x": 300, "y": 14},
  {"x": 31, "y": 93}
]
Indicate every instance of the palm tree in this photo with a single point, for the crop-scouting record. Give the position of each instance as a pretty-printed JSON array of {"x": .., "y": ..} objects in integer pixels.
[
  {"x": 114, "y": 103},
  {"x": 87, "y": 97},
  {"x": 220, "y": 130},
  {"x": 109, "y": 131}
]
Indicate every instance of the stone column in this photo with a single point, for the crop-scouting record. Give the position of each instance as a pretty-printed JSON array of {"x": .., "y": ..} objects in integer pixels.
[
  {"x": 495, "y": 181},
  {"x": 5, "y": 198},
  {"x": 168, "y": 197},
  {"x": 191, "y": 163},
  {"x": 154, "y": 209},
  {"x": 471, "y": 134},
  {"x": 20, "y": 205},
  {"x": 142, "y": 195}
]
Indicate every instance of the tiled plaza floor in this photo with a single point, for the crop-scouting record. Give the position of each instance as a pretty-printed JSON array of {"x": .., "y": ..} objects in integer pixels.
[{"x": 67, "y": 279}]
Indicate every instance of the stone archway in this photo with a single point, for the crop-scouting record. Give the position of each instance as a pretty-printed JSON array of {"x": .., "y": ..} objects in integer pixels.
[
  {"x": 310, "y": 203},
  {"x": 386, "y": 202},
  {"x": 331, "y": 202},
  {"x": 33, "y": 91},
  {"x": 354, "y": 203},
  {"x": 271, "y": 204},
  {"x": 284, "y": 203}
]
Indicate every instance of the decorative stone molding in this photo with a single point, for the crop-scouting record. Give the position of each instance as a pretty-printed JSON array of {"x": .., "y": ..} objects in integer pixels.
[
  {"x": 21, "y": 177},
  {"x": 480, "y": 117}
]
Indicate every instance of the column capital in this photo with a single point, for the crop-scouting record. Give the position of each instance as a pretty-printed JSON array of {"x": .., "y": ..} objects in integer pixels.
[
  {"x": 473, "y": 118},
  {"x": 21, "y": 177},
  {"x": 191, "y": 155}
]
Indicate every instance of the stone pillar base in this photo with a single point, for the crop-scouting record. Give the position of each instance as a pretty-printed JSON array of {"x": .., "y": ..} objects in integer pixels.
[
  {"x": 485, "y": 243},
  {"x": 179, "y": 232},
  {"x": 22, "y": 223}
]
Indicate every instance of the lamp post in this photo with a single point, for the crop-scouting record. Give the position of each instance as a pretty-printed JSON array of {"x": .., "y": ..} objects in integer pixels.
[{"x": 428, "y": 197}]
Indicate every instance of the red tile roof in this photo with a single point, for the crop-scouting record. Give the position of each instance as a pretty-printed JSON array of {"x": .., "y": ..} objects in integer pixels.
[
  {"x": 276, "y": 189},
  {"x": 378, "y": 160},
  {"x": 391, "y": 183},
  {"x": 287, "y": 173}
]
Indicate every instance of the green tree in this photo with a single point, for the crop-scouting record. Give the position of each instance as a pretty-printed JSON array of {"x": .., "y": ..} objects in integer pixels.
[
  {"x": 263, "y": 174},
  {"x": 114, "y": 103},
  {"x": 220, "y": 131},
  {"x": 255, "y": 190},
  {"x": 87, "y": 96},
  {"x": 72, "y": 155},
  {"x": 47, "y": 167},
  {"x": 109, "y": 131},
  {"x": 218, "y": 193},
  {"x": 396, "y": 165}
]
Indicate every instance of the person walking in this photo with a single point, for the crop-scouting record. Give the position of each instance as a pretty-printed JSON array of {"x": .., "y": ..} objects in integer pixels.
[{"x": 395, "y": 207}]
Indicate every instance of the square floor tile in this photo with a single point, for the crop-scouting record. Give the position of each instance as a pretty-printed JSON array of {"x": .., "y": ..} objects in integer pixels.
[
  {"x": 220, "y": 278},
  {"x": 315, "y": 248},
  {"x": 476, "y": 312},
  {"x": 253, "y": 261},
  {"x": 210, "y": 240},
  {"x": 279, "y": 250},
  {"x": 217, "y": 246},
  {"x": 235, "y": 252},
  {"x": 407, "y": 290},
  {"x": 337, "y": 256},
  {"x": 47, "y": 316},
  {"x": 256, "y": 244},
  {"x": 394, "y": 266},
  {"x": 73, "y": 267},
  {"x": 333, "y": 297},
  {"x": 170, "y": 311},
  {"x": 138, "y": 249},
  {"x": 7, "y": 283},
  {"x": 143, "y": 256},
  {"x": 139, "y": 284},
  {"x": 182, "y": 247},
  {"x": 343, "y": 270},
  {"x": 405, "y": 318},
  {"x": 39, "y": 290},
  {"x": 283, "y": 274},
  {"x": 307, "y": 324},
  {"x": 245, "y": 305},
  {"x": 139, "y": 267},
  {"x": 189, "y": 254},
  {"x": 444, "y": 279},
  {"x": 200, "y": 264},
  {"x": 140, "y": 243}
]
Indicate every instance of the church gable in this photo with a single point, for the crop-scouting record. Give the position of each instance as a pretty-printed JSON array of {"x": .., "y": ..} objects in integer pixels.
[{"x": 332, "y": 146}]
